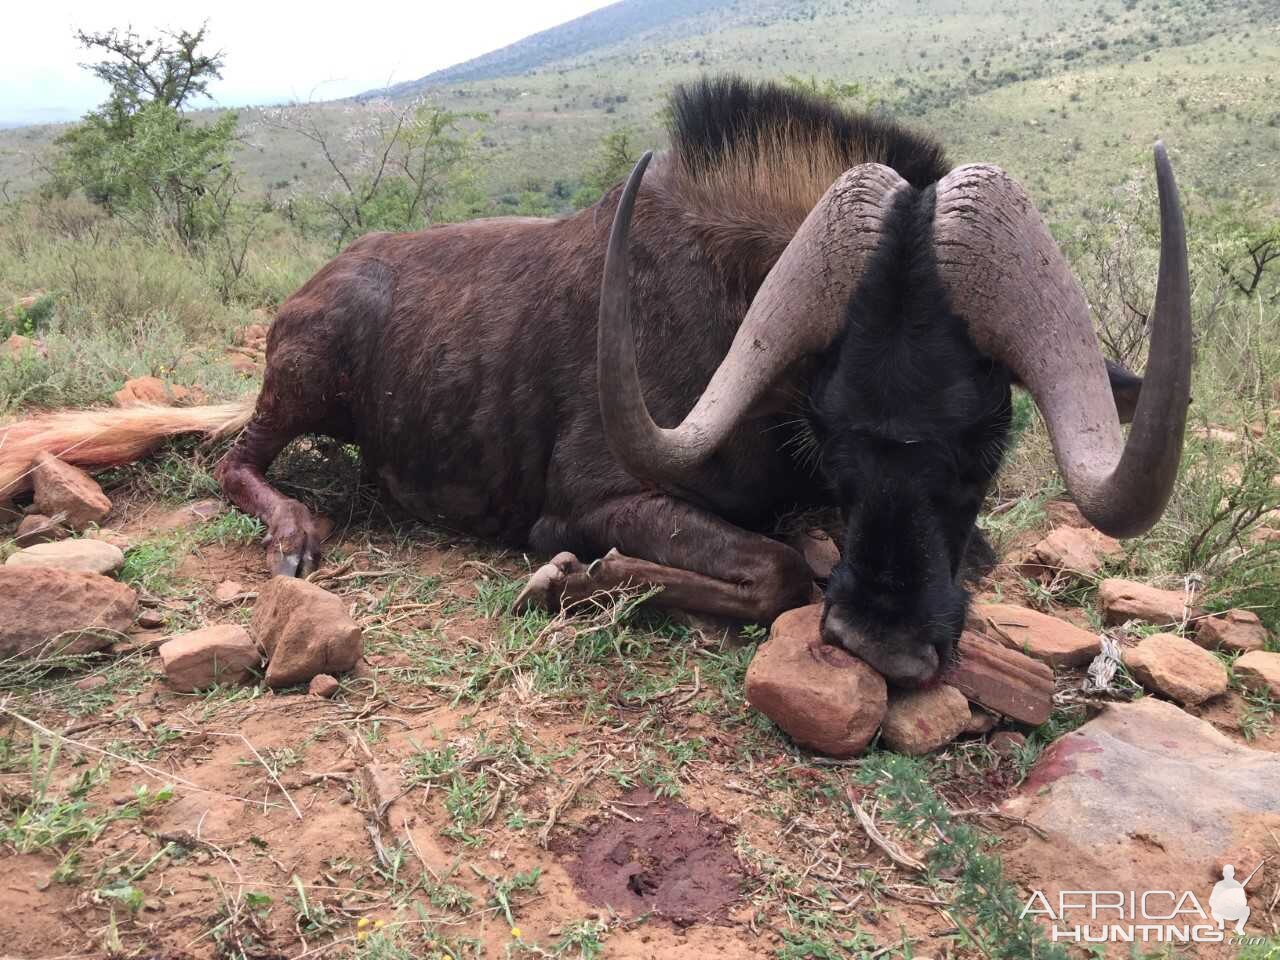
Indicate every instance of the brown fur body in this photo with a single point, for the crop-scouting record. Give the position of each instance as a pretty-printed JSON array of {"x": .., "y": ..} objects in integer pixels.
[{"x": 462, "y": 361}]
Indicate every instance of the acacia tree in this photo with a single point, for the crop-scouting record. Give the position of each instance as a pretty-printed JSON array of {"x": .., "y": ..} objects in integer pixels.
[
  {"x": 139, "y": 155},
  {"x": 393, "y": 166},
  {"x": 170, "y": 69}
]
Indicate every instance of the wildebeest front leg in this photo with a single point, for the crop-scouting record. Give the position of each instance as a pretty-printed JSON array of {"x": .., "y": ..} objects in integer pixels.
[
  {"x": 702, "y": 563},
  {"x": 294, "y": 535}
]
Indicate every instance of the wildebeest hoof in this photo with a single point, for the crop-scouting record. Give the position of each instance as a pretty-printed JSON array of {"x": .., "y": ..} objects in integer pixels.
[
  {"x": 542, "y": 592},
  {"x": 294, "y": 539}
]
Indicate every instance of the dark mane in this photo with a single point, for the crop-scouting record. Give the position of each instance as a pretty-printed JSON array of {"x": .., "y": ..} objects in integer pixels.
[
  {"x": 723, "y": 118},
  {"x": 749, "y": 161}
]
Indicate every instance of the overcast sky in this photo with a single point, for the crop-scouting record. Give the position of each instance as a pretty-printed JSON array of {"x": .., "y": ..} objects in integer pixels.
[{"x": 274, "y": 51}]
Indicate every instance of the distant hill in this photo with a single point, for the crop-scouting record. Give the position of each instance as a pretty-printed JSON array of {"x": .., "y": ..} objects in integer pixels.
[
  {"x": 600, "y": 28},
  {"x": 1068, "y": 95}
]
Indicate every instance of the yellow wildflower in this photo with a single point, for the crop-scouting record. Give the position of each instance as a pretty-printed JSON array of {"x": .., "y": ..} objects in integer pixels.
[{"x": 515, "y": 932}]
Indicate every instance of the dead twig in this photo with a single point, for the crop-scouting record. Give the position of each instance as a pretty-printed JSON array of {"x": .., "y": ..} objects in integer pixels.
[
  {"x": 891, "y": 849},
  {"x": 1004, "y": 817},
  {"x": 566, "y": 797}
]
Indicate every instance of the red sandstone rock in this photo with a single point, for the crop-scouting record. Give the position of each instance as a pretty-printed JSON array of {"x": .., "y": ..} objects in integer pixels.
[
  {"x": 18, "y": 346},
  {"x": 1071, "y": 550},
  {"x": 91, "y": 556},
  {"x": 1174, "y": 666},
  {"x": 63, "y": 488},
  {"x": 1007, "y": 743},
  {"x": 227, "y": 591},
  {"x": 1064, "y": 513},
  {"x": 1045, "y": 638},
  {"x": 1237, "y": 631},
  {"x": 821, "y": 695},
  {"x": 46, "y": 610},
  {"x": 980, "y": 721},
  {"x": 920, "y": 721},
  {"x": 1002, "y": 680},
  {"x": 1123, "y": 600},
  {"x": 224, "y": 654},
  {"x": 143, "y": 391},
  {"x": 305, "y": 630},
  {"x": 323, "y": 685},
  {"x": 36, "y": 528},
  {"x": 1259, "y": 670}
]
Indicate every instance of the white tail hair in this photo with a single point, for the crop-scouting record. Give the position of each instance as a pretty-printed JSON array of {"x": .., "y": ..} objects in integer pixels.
[{"x": 96, "y": 439}]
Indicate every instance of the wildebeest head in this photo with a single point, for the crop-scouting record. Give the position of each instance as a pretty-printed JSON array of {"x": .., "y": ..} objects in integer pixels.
[{"x": 919, "y": 309}]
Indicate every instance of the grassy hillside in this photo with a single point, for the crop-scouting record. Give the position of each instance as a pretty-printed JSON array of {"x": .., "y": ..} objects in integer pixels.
[{"x": 1067, "y": 95}]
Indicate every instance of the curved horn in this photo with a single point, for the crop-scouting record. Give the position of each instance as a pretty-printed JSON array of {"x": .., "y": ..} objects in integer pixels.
[
  {"x": 798, "y": 311},
  {"x": 1006, "y": 276}
]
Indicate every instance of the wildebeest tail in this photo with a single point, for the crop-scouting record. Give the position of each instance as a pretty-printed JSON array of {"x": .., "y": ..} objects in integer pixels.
[{"x": 96, "y": 439}]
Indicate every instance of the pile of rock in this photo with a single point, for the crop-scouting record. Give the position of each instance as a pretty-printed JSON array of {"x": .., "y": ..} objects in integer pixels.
[
  {"x": 299, "y": 633},
  {"x": 57, "y": 597},
  {"x": 834, "y": 703}
]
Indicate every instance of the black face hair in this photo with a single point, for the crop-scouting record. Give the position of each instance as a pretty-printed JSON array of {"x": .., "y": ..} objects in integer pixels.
[{"x": 912, "y": 421}]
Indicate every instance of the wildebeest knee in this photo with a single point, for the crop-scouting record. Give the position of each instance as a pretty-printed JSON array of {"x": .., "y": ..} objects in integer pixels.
[{"x": 778, "y": 582}]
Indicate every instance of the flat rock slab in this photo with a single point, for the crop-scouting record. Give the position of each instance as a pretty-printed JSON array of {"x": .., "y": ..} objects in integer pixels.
[
  {"x": 1236, "y": 631},
  {"x": 45, "y": 610},
  {"x": 1123, "y": 600},
  {"x": 1038, "y": 635},
  {"x": 1145, "y": 797},
  {"x": 64, "y": 488},
  {"x": 1074, "y": 551},
  {"x": 920, "y": 721},
  {"x": 221, "y": 655},
  {"x": 1002, "y": 680},
  {"x": 87, "y": 556},
  {"x": 822, "y": 696},
  {"x": 1174, "y": 666},
  {"x": 1260, "y": 671},
  {"x": 305, "y": 630}
]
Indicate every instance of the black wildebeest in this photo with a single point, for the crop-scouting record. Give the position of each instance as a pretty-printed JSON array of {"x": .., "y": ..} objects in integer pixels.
[{"x": 828, "y": 316}]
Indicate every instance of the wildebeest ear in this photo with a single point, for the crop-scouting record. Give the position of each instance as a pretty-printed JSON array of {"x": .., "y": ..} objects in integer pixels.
[{"x": 1125, "y": 387}]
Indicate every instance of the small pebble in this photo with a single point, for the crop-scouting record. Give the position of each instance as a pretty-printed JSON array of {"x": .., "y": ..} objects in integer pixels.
[
  {"x": 323, "y": 685},
  {"x": 1007, "y": 743}
]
